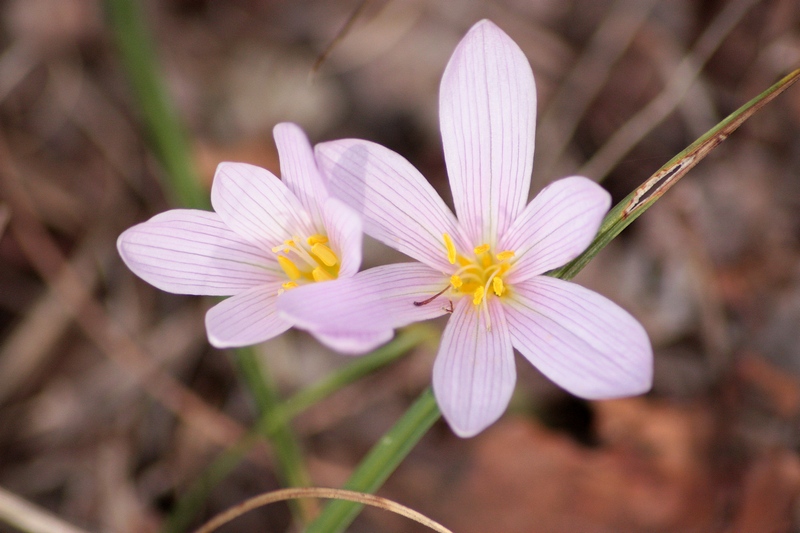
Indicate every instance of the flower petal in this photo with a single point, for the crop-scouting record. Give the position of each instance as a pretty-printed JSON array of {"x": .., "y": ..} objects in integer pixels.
[
  {"x": 556, "y": 227},
  {"x": 579, "y": 339},
  {"x": 354, "y": 343},
  {"x": 187, "y": 251},
  {"x": 344, "y": 229},
  {"x": 400, "y": 208},
  {"x": 365, "y": 306},
  {"x": 248, "y": 318},
  {"x": 254, "y": 203},
  {"x": 299, "y": 169},
  {"x": 487, "y": 112},
  {"x": 474, "y": 373}
]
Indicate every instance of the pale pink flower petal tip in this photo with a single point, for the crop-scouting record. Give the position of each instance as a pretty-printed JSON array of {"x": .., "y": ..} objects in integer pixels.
[
  {"x": 487, "y": 266},
  {"x": 266, "y": 238}
]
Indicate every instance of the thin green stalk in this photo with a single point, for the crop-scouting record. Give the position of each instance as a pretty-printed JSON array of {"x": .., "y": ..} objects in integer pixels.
[
  {"x": 405, "y": 340},
  {"x": 668, "y": 175},
  {"x": 379, "y": 464},
  {"x": 167, "y": 135},
  {"x": 401, "y": 438},
  {"x": 291, "y": 466},
  {"x": 194, "y": 497}
]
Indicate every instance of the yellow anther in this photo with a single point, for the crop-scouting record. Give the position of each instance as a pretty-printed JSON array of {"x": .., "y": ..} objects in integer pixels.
[
  {"x": 289, "y": 285},
  {"x": 325, "y": 254},
  {"x": 483, "y": 248},
  {"x": 486, "y": 260},
  {"x": 319, "y": 274},
  {"x": 498, "y": 286},
  {"x": 451, "y": 248},
  {"x": 477, "y": 297},
  {"x": 290, "y": 268},
  {"x": 317, "y": 239},
  {"x": 290, "y": 243},
  {"x": 456, "y": 281},
  {"x": 507, "y": 254}
]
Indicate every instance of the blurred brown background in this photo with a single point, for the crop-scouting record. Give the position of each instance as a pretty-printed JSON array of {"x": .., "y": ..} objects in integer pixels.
[{"x": 112, "y": 403}]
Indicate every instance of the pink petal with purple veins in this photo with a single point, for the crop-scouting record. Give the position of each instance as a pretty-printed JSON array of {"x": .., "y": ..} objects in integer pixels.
[
  {"x": 186, "y": 251},
  {"x": 254, "y": 203},
  {"x": 345, "y": 235},
  {"x": 579, "y": 339},
  {"x": 399, "y": 207},
  {"x": 299, "y": 169},
  {"x": 474, "y": 372},
  {"x": 487, "y": 111},
  {"x": 247, "y": 318},
  {"x": 555, "y": 227},
  {"x": 359, "y": 311}
]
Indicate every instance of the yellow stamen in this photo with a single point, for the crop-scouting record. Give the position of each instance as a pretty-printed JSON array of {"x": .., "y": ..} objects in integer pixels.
[
  {"x": 290, "y": 243},
  {"x": 290, "y": 268},
  {"x": 477, "y": 298},
  {"x": 325, "y": 254},
  {"x": 289, "y": 285},
  {"x": 498, "y": 286},
  {"x": 317, "y": 239},
  {"x": 483, "y": 248},
  {"x": 507, "y": 254},
  {"x": 451, "y": 248},
  {"x": 320, "y": 275},
  {"x": 456, "y": 281}
]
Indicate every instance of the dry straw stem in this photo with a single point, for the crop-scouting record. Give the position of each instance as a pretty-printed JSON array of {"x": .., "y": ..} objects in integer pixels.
[
  {"x": 319, "y": 492},
  {"x": 25, "y": 516}
]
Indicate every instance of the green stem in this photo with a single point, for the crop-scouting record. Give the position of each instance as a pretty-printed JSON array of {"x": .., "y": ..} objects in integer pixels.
[
  {"x": 404, "y": 341},
  {"x": 189, "y": 503},
  {"x": 167, "y": 135},
  {"x": 291, "y": 464},
  {"x": 379, "y": 464}
]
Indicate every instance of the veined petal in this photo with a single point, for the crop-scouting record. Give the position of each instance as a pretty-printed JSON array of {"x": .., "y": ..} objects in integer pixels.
[
  {"x": 555, "y": 227},
  {"x": 579, "y": 339},
  {"x": 247, "y": 318},
  {"x": 474, "y": 373},
  {"x": 487, "y": 111},
  {"x": 187, "y": 251},
  {"x": 400, "y": 208},
  {"x": 350, "y": 343},
  {"x": 344, "y": 229},
  {"x": 254, "y": 203},
  {"x": 366, "y": 305},
  {"x": 299, "y": 169}
]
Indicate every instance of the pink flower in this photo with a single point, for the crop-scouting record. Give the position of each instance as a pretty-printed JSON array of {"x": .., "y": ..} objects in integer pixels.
[
  {"x": 266, "y": 238},
  {"x": 486, "y": 267}
]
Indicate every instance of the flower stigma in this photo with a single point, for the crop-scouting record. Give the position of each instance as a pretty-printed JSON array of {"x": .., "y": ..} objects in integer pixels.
[
  {"x": 480, "y": 277},
  {"x": 306, "y": 260}
]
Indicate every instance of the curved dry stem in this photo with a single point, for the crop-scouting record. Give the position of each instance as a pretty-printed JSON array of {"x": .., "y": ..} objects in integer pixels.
[{"x": 319, "y": 492}]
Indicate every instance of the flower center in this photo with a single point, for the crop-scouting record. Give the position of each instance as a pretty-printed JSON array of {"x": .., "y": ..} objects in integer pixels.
[
  {"x": 307, "y": 260},
  {"x": 480, "y": 276}
]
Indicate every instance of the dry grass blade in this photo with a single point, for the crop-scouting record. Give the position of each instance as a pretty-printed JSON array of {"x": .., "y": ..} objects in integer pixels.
[
  {"x": 28, "y": 517},
  {"x": 318, "y": 492}
]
